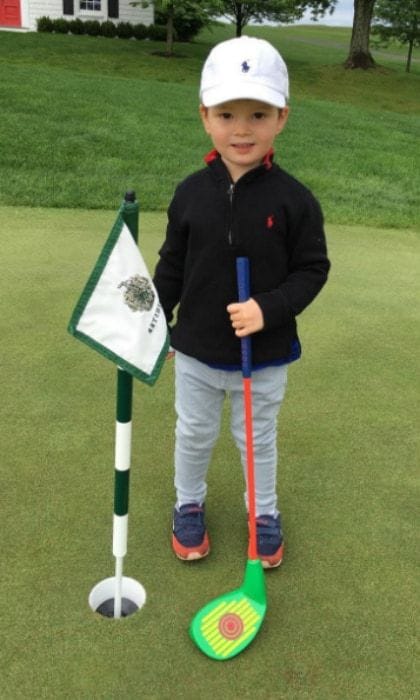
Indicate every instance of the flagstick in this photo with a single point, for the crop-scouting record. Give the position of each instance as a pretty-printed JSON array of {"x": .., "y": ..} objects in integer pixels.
[
  {"x": 117, "y": 596},
  {"x": 123, "y": 441},
  {"x": 118, "y": 586},
  {"x": 122, "y": 476}
]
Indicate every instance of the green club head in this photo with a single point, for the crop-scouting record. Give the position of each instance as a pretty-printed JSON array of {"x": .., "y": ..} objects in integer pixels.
[{"x": 228, "y": 624}]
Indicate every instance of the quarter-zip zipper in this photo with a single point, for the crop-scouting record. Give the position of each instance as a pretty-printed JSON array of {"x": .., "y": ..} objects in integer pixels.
[{"x": 230, "y": 192}]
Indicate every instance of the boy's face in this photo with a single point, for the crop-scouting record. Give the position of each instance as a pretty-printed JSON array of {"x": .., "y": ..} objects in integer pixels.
[{"x": 243, "y": 131}]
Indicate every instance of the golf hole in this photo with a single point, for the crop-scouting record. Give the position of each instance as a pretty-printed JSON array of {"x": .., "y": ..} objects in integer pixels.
[{"x": 101, "y": 598}]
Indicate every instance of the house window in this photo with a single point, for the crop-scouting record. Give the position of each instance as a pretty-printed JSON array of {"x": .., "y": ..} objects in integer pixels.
[{"x": 90, "y": 5}]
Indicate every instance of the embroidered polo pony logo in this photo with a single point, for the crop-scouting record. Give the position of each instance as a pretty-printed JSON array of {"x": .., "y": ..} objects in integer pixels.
[
  {"x": 245, "y": 67},
  {"x": 138, "y": 295},
  {"x": 270, "y": 221}
]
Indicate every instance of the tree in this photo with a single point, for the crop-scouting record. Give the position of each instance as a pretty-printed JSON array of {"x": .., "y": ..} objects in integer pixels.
[
  {"x": 241, "y": 13},
  {"x": 170, "y": 10},
  {"x": 173, "y": 10},
  {"x": 188, "y": 18},
  {"x": 398, "y": 20},
  {"x": 359, "y": 54}
]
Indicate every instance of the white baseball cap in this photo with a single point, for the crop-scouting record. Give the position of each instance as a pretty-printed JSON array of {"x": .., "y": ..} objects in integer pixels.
[{"x": 244, "y": 68}]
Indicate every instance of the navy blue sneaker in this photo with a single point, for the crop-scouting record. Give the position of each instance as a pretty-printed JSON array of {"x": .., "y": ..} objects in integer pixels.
[
  {"x": 270, "y": 545},
  {"x": 189, "y": 539}
]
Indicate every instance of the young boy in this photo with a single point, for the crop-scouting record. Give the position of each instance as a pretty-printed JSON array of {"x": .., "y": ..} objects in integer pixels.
[{"x": 240, "y": 204}]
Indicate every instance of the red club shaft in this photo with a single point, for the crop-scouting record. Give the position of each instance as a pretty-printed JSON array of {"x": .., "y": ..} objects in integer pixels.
[{"x": 249, "y": 434}]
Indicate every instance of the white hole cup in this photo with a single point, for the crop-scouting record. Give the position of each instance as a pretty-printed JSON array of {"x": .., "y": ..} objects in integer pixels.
[{"x": 133, "y": 596}]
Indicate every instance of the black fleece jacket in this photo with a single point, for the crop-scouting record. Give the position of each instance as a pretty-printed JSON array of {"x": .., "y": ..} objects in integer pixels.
[{"x": 267, "y": 216}]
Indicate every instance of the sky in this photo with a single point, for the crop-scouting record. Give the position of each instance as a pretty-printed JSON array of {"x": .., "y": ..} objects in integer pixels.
[{"x": 342, "y": 15}]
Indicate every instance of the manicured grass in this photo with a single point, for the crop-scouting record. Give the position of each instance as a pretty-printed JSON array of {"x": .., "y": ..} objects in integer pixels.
[
  {"x": 340, "y": 621},
  {"x": 85, "y": 118}
]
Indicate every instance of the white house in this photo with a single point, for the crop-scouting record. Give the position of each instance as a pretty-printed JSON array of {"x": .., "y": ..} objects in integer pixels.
[{"x": 24, "y": 13}]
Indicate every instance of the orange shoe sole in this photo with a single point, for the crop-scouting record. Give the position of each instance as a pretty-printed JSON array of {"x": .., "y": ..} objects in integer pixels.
[
  {"x": 191, "y": 553},
  {"x": 271, "y": 562}
]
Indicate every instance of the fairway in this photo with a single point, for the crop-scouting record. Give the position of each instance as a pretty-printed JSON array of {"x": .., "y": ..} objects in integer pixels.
[{"x": 340, "y": 621}]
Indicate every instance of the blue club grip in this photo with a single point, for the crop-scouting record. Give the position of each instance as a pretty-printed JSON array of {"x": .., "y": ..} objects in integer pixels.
[{"x": 243, "y": 280}]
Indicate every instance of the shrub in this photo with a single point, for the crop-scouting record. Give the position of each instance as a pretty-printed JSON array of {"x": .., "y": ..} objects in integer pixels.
[
  {"x": 108, "y": 29},
  {"x": 76, "y": 26},
  {"x": 44, "y": 24},
  {"x": 92, "y": 27},
  {"x": 61, "y": 26},
  {"x": 124, "y": 30},
  {"x": 156, "y": 32},
  {"x": 140, "y": 31}
]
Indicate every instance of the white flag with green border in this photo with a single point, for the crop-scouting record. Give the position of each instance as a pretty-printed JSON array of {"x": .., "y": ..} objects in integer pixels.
[{"x": 119, "y": 313}]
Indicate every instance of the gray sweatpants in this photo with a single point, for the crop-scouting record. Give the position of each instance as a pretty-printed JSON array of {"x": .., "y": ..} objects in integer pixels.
[{"x": 200, "y": 392}]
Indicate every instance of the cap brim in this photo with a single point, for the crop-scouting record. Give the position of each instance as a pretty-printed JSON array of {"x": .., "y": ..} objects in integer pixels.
[{"x": 240, "y": 91}]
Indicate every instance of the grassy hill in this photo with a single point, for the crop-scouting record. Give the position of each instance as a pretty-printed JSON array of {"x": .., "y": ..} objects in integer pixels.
[{"x": 85, "y": 118}]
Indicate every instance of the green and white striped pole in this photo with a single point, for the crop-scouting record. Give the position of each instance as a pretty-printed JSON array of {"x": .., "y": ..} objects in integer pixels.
[
  {"x": 122, "y": 478},
  {"x": 123, "y": 440},
  {"x": 120, "y": 596}
]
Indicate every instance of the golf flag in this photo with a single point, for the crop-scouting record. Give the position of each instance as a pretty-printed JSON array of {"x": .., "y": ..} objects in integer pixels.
[{"x": 119, "y": 313}]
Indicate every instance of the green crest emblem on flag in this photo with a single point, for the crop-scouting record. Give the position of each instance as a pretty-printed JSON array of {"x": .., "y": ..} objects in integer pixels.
[{"x": 138, "y": 295}]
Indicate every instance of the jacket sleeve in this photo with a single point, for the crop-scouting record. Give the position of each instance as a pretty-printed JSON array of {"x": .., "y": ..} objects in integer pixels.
[
  {"x": 169, "y": 272},
  {"x": 308, "y": 266}
]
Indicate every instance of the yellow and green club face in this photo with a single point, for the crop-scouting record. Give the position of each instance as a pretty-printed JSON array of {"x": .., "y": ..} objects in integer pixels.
[{"x": 225, "y": 626}]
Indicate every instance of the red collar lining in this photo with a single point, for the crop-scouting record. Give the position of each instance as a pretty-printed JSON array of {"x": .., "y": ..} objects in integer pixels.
[{"x": 267, "y": 160}]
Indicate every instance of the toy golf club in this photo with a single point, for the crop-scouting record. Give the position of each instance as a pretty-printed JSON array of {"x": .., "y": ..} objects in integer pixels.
[{"x": 228, "y": 624}]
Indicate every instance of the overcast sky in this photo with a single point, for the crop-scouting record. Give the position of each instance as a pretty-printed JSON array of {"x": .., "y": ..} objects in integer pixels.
[{"x": 342, "y": 15}]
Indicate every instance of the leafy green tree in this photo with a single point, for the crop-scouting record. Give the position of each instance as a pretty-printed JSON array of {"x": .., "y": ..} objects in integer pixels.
[
  {"x": 241, "y": 13},
  {"x": 359, "y": 53},
  {"x": 188, "y": 18},
  {"x": 173, "y": 10},
  {"x": 398, "y": 20}
]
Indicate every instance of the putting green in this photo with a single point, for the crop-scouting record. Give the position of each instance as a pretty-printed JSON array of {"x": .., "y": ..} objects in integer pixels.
[{"x": 340, "y": 617}]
